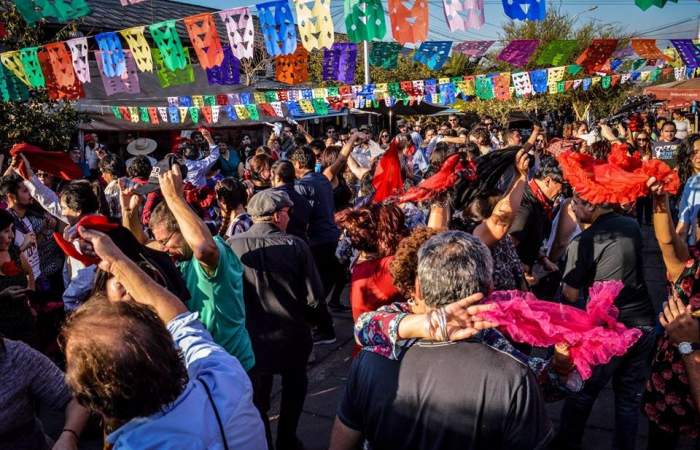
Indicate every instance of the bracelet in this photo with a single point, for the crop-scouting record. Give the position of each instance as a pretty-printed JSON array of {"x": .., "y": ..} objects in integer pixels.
[{"x": 73, "y": 432}]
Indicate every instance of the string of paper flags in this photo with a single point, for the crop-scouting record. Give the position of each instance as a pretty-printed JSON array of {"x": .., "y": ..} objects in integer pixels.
[
  {"x": 300, "y": 103},
  {"x": 62, "y": 67}
]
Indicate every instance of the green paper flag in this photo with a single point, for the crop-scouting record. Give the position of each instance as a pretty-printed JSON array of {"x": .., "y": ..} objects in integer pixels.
[
  {"x": 166, "y": 38},
  {"x": 561, "y": 87},
  {"x": 168, "y": 78},
  {"x": 116, "y": 112},
  {"x": 484, "y": 88},
  {"x": 654, "y": 75},
  {"x": 364, "y": 20},
  {"x": 11, "y": 87},
  {"x": 385, "y": 54},
  {"x": 605, "y": 82},
  {"x": 143, "y": 114},
  {"x": 30, "y": 62},
  {"x": 253, "y": 112},
  {"x": 320, "y": 106},
  {"x": 333, "y": 91},
  {"x": 646, "y": 4},
  {"x": 638, "y": 63},
  {"x": 210, "y": 100},
  {"x": 557, "y": 53},
  {"x": 573, "y": 69},
  {"x": 271, "y": 96},
  {"x": 62, "y": 10},
  {"x": 194, "y": 114},
  {"x": 396, "y": 91}
]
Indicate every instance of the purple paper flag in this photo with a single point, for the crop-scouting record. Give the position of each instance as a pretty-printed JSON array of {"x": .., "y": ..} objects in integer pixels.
[
  {"x": 228, "y": 72},
  {"x": 624, "y": 53},
  {"x": 339, "y": 62},
  {"x": 475, "y": 49},
  {"x": 518, "y": 52},
  {"x": 689, "y": 53},
  {"x": 127, "y": 83}
]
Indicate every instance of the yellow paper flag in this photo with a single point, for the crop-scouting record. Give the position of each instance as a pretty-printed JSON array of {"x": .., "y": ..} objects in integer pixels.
[
  {"x": 139, "y": 47},
  {"x": 12, "y": 61}
]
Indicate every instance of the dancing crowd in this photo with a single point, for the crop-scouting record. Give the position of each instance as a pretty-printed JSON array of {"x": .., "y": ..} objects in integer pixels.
[{"x": 490, "y": 271}]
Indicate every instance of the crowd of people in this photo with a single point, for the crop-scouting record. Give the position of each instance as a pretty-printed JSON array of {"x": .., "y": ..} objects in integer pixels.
[{"x": 156, "y": 298}]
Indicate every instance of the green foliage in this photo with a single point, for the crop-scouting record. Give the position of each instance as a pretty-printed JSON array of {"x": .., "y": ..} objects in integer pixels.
[{"x": 39, "y": 121}]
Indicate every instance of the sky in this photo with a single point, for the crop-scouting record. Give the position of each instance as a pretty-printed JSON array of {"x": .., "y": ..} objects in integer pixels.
[{"x": 622, "y": 12}]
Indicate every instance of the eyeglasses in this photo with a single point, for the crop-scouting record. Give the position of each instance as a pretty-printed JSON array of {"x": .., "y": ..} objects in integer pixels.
[{"x": 164, "y": 242}]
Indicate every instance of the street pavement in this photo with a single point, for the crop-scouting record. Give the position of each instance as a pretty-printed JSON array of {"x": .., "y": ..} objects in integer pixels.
[{"x": 330, "y": 366}]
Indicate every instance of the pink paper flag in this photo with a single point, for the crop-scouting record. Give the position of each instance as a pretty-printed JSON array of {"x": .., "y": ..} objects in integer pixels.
[
  {"x": 127, "y": 83},
  {"x": 464, "y": 14},
  {"x": 519, "y": 51},
  {"x": 475, "y": 49}
]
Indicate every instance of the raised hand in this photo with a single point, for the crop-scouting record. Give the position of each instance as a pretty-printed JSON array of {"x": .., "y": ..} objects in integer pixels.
[{"x": 459, "y": 320}]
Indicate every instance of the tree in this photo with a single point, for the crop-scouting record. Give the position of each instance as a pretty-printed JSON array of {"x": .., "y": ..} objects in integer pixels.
[{"x": 46, "y": 123}]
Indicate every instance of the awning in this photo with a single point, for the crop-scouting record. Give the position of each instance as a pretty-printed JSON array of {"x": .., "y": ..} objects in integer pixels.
[{"x": 676, "y": 92}]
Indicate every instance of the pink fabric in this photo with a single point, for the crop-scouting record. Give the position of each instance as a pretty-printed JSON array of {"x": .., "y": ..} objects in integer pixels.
[{"x": 594, "y": 336}]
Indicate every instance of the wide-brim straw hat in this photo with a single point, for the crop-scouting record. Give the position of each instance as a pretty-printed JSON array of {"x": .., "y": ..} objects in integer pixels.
[{"x": 141, "y": 146}]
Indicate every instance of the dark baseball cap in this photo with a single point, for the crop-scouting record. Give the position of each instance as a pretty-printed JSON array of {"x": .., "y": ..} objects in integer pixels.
[{"x": 162, "y": 166}]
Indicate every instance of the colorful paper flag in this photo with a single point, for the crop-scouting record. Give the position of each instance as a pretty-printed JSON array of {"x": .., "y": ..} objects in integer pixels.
[
  {"x": 228, "y": 72},
  {"x": 595, "y": 56},
  {"x": 433, "y": 54},
  {"x": 140, "y": 50},
  {"x": 294, "y": 68},
  {"x": 239, "y": 27},
  {"x": 127, "y": 83},
  {"x": 518, "y": 51},
  {"x": 168, "y": 42},
  {"x": 315, "y": 23},
  {"x": 525, "y": 9},
  {"x": 205, "y": 40},
  {"x": 79, "y": 55},
  {"x": 409, "y": 24},
  {"x": 463, "y": 15},
  {"x": 32, "y": 68},
  {"x": 385, "y": 54},
  {"x": 646, "y": 48},
  {"x": 475, "y": 49},
  {"x": 689, "y": 52},
  {"x": 59, "y": 59},
  {"x": 113, "y": 64},
  {"x": 339, "y": 62},
  {"x": 277, "y": 25},
  {"x": 167, "y": 77},
  {"x": 364, "y": 20},
  {"x": 557, "y": 53}
]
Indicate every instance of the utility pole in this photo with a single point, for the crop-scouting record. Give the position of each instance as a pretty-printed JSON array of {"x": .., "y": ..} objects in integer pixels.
[{"x": 365, "y": 53}]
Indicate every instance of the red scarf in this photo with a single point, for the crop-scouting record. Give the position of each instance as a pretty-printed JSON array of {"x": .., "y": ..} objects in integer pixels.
[{"x": 544, "y": 201}]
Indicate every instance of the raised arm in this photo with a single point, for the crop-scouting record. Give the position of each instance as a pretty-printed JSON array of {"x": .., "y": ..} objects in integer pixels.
[
  {"x": 130, "y": 203},
  {"x": 141, "y": 287},
  {"x": 331, "y": 171},
  {"x": 673, "y": 249},
  {"x": 43, "y": 195},
  {"x": 495, "y": 228},
  {"x": 193, "y": 229}
]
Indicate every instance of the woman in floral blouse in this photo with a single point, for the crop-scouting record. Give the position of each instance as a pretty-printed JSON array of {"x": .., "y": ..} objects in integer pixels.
[{"x": 668, "y": 401}]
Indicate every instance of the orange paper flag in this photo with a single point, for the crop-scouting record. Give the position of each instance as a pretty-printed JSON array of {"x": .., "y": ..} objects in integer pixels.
[
  {"x": 61, "y": 64},
  {"x": 647, "y": 49},
  {"x": 293, "y": 69},
  {"x": 59, "y": 90},
  {"x": 205, "y": 40},
  {"x": 409, "y": 24},
  {"x": 594, "y": 57}
]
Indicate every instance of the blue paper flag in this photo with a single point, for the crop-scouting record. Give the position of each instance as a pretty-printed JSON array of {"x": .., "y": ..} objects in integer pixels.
[
  {"x": 173, "y": 114},
  {"x": 231, "y": 112},
  {"x": 113, "y": 61},
  {"x": 294, "y": 109},
  {"x": 245, "y": 98},
  {"x": 525, "y": 9},
  {"x": 586, "y": 84},
  {"x": 185, "y": 100},
  {"x": 538, "y": 78},
  {"x": 228, "y": 72},
  {"x": 277, "y": 25},
  {"x": 447, "y": 93},
  {"x": 433, "y": 54}
]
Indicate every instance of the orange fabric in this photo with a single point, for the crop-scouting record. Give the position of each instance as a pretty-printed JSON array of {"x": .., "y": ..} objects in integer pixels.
[
  {"x": 622, "y": 179},
  {"x": 205, "y": 40},
  {"x": 409, "y": 24}
]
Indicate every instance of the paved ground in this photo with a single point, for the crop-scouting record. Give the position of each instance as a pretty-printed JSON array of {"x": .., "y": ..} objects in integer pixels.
[{"x": 327, "y": 376}]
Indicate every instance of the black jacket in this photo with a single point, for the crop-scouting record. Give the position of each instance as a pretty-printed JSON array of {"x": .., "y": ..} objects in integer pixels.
[{"x": 281, "y": 288}]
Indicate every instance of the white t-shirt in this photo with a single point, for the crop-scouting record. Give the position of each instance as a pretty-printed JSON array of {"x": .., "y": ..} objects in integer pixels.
[
  {"x": 682, "y": 128},
  {"x": 31, "y": 252}
]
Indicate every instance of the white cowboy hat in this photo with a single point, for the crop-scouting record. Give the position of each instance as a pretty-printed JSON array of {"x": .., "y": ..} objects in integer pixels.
[{"x": 141, "y": 146}]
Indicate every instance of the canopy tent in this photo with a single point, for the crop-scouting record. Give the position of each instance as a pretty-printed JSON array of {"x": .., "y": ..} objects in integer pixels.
[{"x": 678, "y": 93}]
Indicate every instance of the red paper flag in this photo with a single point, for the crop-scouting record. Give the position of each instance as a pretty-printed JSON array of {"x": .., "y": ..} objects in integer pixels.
[
  {"x": 594, "y": 57},
  {"x": 205, "y": 40},
  {"x": 387, "y": 179}
]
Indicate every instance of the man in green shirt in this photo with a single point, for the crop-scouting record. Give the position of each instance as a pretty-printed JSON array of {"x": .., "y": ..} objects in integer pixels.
[{"x": 212, "y": 272}]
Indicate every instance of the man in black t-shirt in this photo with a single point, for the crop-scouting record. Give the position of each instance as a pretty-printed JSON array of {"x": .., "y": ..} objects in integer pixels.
[
  {"x": 610, "y": 249},
  {"x": 448, "y": 395}
]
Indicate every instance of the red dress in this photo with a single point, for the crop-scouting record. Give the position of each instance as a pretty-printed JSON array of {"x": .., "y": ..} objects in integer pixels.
[{"x": 372, "y": 286}]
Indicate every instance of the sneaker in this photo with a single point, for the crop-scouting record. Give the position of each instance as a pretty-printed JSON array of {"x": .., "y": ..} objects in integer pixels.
[{"x": 321, "y": 338}]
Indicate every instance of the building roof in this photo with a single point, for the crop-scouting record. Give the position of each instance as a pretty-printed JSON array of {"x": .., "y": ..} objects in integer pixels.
[{"x": 110, "y": 15}]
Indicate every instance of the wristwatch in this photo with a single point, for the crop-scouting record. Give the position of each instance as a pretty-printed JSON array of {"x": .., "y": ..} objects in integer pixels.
[{"x": 686, "y": 348}]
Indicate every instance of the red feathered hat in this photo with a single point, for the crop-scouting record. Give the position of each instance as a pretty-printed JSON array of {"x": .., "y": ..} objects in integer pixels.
[{"x": 621, "y": 179}]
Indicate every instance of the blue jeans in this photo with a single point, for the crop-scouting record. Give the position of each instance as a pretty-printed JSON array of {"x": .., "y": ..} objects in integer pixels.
[{"x": 629, "y": 374}]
